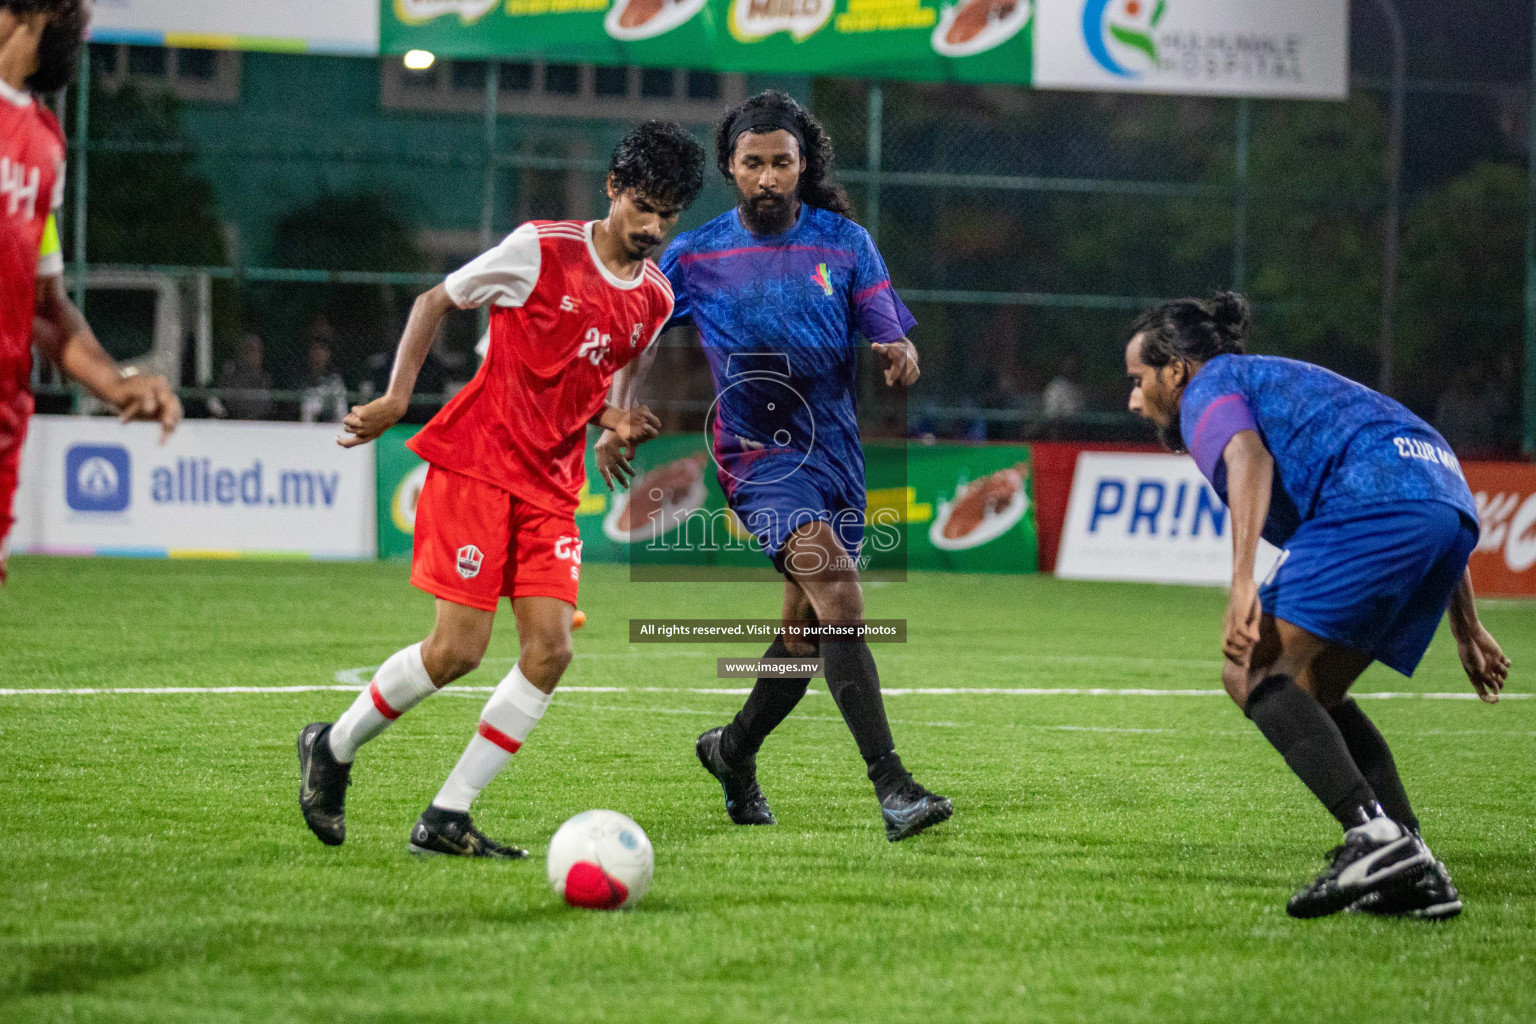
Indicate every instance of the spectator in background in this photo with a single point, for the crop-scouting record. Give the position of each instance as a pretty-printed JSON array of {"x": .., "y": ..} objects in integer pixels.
[
  {"x": 1503, "y": 393},
  {"x": 1063, "y": 397},
  {"x": 245, "y": 384},
  {"x": 323, "y": 393},
  {"x": 431, "y": 382},
  {"x": 1467, "y": 412}
]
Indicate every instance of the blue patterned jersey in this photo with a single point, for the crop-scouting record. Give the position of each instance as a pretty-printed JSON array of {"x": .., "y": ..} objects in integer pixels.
[
  {"x": 777, "y": 317},
  {"x": 1338, "y": 446}
]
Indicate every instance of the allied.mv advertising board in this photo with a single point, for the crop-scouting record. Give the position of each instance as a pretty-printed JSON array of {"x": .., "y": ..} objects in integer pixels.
[
  {"x": 90, "y": 485},
  {"x": 302, "y": 26}
]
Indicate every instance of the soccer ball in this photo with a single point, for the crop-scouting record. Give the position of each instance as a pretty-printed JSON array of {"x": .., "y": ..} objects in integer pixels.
[{"x": 600, "y": 860}]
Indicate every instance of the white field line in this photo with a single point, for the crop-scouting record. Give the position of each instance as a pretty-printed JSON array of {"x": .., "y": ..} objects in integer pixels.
[
  {"x": 916, "y": 691},
  {"x": 359, "y": 676},
  {"x": 641, "y": 709}
]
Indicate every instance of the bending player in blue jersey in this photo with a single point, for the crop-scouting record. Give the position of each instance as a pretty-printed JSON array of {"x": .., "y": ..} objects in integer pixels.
[
  {"x": 1375, "y": 523},
  {"x": 778, "y": 288}
]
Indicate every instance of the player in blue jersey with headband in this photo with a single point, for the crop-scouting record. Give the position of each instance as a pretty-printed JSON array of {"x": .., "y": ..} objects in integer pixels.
[
  {"x": 779, "y": 288},
  {"x": 1375, "y": 523}
]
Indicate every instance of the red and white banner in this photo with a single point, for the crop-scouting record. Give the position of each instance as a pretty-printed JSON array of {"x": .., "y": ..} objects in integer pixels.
[{"x": 1504, "y": 563}]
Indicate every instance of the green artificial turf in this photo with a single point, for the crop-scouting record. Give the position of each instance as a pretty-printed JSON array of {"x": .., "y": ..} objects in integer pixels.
[{"x": 1111, "y": 858}]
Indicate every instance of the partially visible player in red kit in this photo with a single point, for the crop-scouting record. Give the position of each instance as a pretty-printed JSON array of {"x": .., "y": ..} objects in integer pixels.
[
  {"x": 40, "y": 43},
  {"x": 571, "y": 303}
]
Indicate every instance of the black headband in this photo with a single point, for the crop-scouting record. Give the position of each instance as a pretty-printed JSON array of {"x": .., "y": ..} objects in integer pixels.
[{"x": 763, "y": 119}]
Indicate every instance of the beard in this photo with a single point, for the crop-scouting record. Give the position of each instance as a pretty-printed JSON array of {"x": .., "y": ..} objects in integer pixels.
[
  {"x": 58, "y": 51},
  {"x": 638, "y": 247},
  {"x": 1171, "y": 436},
  {"x": 766, "y": 213}
]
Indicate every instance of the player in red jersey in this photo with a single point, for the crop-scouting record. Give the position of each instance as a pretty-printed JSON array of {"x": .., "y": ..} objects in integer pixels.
[
  {"x": 40, "y": 44},
  {"x": 571, "y": 303}
]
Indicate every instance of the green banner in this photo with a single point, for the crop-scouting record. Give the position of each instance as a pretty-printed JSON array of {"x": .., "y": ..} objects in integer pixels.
[
  {"x": 924, "y": 40},
  {"x": 400, "y": 474},
  {"x": 956, "y": 508}
]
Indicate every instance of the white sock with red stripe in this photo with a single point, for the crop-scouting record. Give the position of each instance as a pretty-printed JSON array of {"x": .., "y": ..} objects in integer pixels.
[
  {"x": 399, "y": 685},
  {"x": 509, "y": 716}
]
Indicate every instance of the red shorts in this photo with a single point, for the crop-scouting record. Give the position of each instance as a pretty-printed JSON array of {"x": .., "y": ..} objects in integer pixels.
[{"x": 476, "y": 543}]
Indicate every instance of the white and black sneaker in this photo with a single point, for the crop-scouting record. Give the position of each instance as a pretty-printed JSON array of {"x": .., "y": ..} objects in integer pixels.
[
  {"x": 1371, "y": 857},
  {"x": 452, "y": 834},
  {"x": 1430, "y": 895},
  {"x": 323, "y": 783}
]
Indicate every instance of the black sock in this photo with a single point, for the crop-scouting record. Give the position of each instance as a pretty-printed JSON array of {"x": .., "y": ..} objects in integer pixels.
[
  {"x": 888, "y": 774},
  {"x": 1374, "y": 759},
  {"x": 770, "y": 702},
  {"x": 1304, "y": 733},
  {"x": 855, "y": 685}
]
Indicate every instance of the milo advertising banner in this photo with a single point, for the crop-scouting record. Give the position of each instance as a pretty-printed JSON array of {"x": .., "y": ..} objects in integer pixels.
[
  {"x": 961, "y": 40},
  {"x": 959, "y": 508}
]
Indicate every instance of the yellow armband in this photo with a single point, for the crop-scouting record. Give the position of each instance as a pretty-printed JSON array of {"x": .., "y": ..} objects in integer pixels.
[{"x": 50, "y": 256}]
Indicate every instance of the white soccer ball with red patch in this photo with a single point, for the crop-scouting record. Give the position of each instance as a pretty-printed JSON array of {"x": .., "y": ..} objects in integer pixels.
[{"x": 600, "y": 860}]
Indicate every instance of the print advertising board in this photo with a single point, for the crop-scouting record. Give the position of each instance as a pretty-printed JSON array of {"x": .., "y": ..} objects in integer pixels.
[{"x": 1148, "y": 518}]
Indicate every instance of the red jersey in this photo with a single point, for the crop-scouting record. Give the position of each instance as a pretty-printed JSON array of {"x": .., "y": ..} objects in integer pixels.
[
  {"x": 561, "y": 325},
  {"x": 31, "y": 187}
]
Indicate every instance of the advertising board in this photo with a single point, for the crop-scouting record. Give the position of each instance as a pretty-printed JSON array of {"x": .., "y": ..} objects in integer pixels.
[
  {"x": 1504, "y": 563},
  {"x": 90, "y": 485},
  {"x": 1148, "y": 518},
  {"x": 1297, "y": 49}
]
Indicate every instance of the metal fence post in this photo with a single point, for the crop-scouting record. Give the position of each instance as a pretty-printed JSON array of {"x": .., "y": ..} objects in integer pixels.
[
  {"x": 488, "y": 184},
  {"x": 82, "y": 142},
  {"x": 1395, "y": 199},
  {"x": 1240, "y": 214},
  {"x": 488, "y": 195},
  {"x": 874, "y": 144}
]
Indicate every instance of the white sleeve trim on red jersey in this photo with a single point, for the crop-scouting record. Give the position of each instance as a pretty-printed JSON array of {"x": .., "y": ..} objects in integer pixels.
[
  {"x": 56, "y": 201},
  {"x": 14, "y": 96},
  {"x": 503, "y": 276}
]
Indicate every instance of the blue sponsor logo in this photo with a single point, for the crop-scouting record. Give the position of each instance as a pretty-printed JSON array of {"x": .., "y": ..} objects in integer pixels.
[
  {"x": 1155, "y": 507},
  {"x": 96, "y": 478}
]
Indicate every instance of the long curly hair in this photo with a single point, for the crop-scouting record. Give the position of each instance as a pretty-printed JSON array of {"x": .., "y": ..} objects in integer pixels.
[{"x": 818, "y": 187}]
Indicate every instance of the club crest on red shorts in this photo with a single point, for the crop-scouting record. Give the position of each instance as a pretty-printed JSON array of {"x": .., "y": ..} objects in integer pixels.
[{"x": 469, "y": 560}]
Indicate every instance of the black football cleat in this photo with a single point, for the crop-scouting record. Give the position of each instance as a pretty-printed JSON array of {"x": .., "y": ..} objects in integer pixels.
[
  {"x": 910, "y": 808},
  {"x": 1429, "y": 895},
  {"x": 744, "y": 800},
  {"x": 451, "y": 834},
  {"x": 323, "y": 783},
  {"x": 1371, "y": 857}
]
